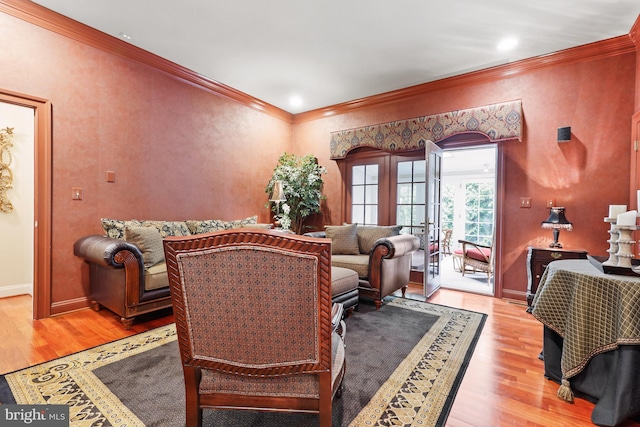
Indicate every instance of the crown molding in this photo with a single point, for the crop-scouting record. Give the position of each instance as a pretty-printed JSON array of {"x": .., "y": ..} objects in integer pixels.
[
  {"x": 50, "y": 20},
  {"x": 634, "y": 34},
  {"x": 602, "y": 49}
]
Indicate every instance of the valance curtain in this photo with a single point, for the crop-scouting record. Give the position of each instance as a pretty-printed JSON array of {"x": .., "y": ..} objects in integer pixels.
[{"x": 498, "y": 121}]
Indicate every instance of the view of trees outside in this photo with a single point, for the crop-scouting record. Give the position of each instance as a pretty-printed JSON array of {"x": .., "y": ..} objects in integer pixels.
[
  {"x": 447, "y": 203},
  {"x": 479, "y": 207}
]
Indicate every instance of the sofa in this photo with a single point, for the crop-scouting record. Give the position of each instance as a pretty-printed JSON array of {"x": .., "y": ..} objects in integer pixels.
[
  {"x": 127, "y": 272},
  {"x": 380, "y": 255}
]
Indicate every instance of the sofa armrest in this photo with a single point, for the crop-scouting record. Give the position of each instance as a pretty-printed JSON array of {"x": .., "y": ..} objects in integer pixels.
[
  {"x": 395, "y": 246},
  {"x": 104, "y": 251}
]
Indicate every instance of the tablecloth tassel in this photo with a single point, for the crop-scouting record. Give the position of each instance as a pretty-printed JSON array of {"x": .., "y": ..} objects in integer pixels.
[{"x": 564, "y": 392}]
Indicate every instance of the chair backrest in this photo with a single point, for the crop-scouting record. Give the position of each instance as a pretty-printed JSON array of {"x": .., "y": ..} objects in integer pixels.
[{"x": 252, "y": 302}]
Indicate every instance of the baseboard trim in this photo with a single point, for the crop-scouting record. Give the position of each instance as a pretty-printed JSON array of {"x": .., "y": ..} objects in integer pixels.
[
  {"x": 67, "y": 306},
  {"x": 15, "y": 290}
]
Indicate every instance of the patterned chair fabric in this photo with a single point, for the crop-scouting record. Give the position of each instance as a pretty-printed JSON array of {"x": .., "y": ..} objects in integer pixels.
[
  {"x": 254, "y": 320},
  {"x": 477, "y": 257}
]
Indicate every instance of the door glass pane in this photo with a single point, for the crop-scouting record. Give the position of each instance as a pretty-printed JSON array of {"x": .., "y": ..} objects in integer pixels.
[
  {"x": 404, "y": 193},
  {"x": 405, "y": 172},
  {"x": 357, "y": 175},
  {"x": 357, "y": 214},
  {"x": 371, "y": 174},
  {"x": 371, "y": 215},
  {"x": 372, "y": 195},
  {"x": 357, "y": 195},
  {"x": 418, "y": 193}
]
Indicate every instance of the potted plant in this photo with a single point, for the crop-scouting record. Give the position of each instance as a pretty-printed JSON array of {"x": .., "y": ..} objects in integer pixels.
[{"x": 301, "y": 179}]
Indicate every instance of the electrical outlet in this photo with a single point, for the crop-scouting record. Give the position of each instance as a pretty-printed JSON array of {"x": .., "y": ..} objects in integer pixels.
[
  {"x": 76, "y": 193},
  {"x": 525, "y": 202}
]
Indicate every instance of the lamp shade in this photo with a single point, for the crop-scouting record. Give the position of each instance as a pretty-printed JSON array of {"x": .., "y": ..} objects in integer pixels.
[
  {"x": 277, "y": 195},
  {"x": 557, "y": 220}
]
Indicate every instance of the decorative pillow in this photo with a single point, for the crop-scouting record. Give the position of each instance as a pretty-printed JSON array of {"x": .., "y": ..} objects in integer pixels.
[
  {"x": 368, "y": 234},
  {"x": 205, "y": 226},
  {"x": 239, "y": 223},
  {"x": 257, "y": 225},
  {"x": 149, "y": 241},
  {"x": 344, "y": 240},
  {"x": 114, "y": 228},
  {"x": 168, "y": 228}
]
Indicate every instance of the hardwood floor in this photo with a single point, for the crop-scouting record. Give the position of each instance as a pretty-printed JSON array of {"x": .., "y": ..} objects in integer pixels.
[{"x": 503, "y": 386}]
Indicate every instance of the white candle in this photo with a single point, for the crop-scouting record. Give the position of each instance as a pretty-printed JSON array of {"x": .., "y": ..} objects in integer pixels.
[
  {"x": 615, "y": 210},
  {"x": 627, "y": 218}
]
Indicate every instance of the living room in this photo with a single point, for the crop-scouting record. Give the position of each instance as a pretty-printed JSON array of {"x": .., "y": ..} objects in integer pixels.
[{"x": 180, "y": 145}]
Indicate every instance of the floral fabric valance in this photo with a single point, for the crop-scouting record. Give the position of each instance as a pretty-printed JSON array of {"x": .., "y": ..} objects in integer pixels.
[{"x": 498, "y": 121}]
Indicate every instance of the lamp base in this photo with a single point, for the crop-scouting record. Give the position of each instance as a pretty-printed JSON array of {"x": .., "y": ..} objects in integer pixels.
[{"x": 556, "y": 235}]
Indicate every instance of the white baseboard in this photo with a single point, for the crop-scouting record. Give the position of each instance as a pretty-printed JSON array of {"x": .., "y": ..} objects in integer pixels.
[{"x": 13, "y": 290}]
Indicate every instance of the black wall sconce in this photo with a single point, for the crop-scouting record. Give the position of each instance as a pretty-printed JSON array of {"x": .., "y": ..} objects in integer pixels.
[{"x": 564, "y": 134}]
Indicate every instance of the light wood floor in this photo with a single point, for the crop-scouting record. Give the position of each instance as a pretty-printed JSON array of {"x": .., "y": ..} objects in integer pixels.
[{"x": 503, "y": 386}]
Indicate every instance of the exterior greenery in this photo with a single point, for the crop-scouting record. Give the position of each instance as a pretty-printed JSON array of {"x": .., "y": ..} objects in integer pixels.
[{"x": 302, "y": 183}]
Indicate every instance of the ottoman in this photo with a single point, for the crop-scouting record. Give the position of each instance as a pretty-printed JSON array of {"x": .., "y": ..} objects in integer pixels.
[{"x": 344, "y": 288}]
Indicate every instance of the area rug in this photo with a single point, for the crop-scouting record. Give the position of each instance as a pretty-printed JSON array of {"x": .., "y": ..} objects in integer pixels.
[{"x": 405, "y": 363}]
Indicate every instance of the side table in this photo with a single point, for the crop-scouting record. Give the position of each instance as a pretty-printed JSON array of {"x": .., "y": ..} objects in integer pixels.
[{"x": 537, "y": 260}]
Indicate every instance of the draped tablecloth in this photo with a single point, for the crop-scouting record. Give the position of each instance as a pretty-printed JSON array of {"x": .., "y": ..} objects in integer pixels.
[{"x": 593, "y": 313}]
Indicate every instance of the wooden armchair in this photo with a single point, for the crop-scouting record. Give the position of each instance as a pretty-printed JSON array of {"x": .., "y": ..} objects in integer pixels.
[
  {"x": 254, "y": 321},
  {"x": 477, "y": 257}
]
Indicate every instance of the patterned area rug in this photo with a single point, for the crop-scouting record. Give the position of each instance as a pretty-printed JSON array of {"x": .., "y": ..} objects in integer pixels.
[{"x": 405, "y": 363}]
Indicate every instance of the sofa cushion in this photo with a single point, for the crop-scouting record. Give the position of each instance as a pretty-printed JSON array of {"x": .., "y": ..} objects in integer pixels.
[
  {"x": 210, "y": 225},
  {"x": 240, "y": 223},
  {"x": 358, "y": 263},
  {"x": 168, "y": 228},
  {"x": 344, "y": 240},
  {"x": 205, "y": 226},
  {"x": 368, "y": 234},
  {"x": 114, "y": 228},
  {"x": 156, "y": 277},
  {"x": 149, "y": 241}
]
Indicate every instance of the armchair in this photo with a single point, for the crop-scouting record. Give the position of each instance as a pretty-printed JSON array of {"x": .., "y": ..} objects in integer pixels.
[
  {"x": 254, "y": 317},
  {"x": 477, "y": 257}
]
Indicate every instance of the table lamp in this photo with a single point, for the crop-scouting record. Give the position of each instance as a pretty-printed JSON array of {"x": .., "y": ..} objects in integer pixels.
[
  {"x": 556, "y": 221},
  {"x": 277, "y": 196}
]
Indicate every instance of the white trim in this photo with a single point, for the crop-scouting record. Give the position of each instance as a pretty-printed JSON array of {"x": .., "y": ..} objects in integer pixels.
[{"x": 13, "y": 290}]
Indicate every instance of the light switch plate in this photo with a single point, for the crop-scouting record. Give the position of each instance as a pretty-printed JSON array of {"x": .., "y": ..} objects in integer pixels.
[
  {"x": 525, "y": 202},
  {"x": 76, "y": 193}
]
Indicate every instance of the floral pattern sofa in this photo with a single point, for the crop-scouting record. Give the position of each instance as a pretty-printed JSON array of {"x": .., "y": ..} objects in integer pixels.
[{"x": 127, "y": 271}]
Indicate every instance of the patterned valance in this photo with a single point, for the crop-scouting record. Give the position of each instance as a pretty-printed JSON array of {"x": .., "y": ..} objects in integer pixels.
[{"x": 499, "y": 122}]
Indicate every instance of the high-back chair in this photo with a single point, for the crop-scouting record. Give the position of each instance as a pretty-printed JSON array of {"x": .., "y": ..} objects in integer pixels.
[{"x": 253, "y": 316}]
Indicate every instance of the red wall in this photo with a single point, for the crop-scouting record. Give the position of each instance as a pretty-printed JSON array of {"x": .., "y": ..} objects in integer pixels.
[
  {"x": 595, "y": 98},
  {"x": 179, "y": 152},
  {"x": 182, "y": 152}
]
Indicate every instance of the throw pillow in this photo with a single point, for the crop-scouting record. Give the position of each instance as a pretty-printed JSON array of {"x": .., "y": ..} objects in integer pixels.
[
  {"x": 205, "y": 226},
  {"x": 149, "y": 241},
  {"x": 168, "y": 228},
  {"x": 368, "y": 234},
  {"x": 344, "y": 240},
  {"x": 239, "y": 223},
  {"x": 114, "y": 228}
]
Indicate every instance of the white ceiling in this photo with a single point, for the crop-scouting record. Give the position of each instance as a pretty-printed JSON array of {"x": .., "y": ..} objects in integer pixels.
[{"x": 333, "y": 51}]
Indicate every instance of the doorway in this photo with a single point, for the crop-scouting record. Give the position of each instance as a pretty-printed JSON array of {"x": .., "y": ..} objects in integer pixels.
[
  {"x": 469, "y": 196},
  {"x": 42, "y": 199}
]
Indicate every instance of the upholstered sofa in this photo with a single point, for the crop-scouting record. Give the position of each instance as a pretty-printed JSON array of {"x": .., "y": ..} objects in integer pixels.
[
  {"x": 379, "y": 254},
  {"x": 127, "y": 272}
]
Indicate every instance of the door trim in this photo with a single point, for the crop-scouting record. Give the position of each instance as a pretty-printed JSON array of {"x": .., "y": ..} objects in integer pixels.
[{"x": 42, "y": 197}]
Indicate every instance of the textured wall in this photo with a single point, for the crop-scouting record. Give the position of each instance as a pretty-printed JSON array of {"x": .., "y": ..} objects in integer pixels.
[
  {"x": 178, "y": 152},
  {"x": 595, "y": 98}
]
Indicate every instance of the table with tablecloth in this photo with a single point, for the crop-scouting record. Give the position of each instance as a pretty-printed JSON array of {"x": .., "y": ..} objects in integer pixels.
[{"x": 592, "y": 336}]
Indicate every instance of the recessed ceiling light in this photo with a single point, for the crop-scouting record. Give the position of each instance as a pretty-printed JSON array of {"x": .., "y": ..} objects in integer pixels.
[
  {"x": 295, "y": 101},
  {"x": 125, "y": 36},
  {"x": 507, "y": 43}
]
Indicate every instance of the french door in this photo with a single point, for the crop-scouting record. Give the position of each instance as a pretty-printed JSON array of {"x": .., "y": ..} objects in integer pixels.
[{"x": 432, "y": 246}]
